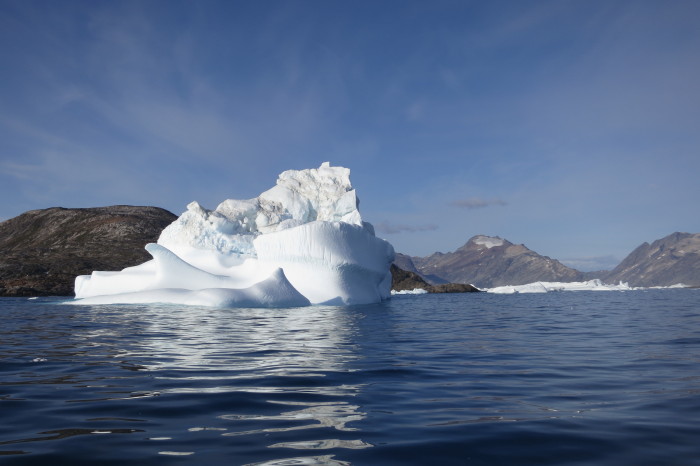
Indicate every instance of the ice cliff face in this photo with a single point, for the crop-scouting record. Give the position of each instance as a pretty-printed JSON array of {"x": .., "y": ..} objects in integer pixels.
[{"x": 305, "y": 234}]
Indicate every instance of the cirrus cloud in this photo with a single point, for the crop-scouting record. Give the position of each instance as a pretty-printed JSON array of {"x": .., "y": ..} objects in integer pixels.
[
  {"x": 477, "y": 203},
  {"x": 393, "y": 228}
]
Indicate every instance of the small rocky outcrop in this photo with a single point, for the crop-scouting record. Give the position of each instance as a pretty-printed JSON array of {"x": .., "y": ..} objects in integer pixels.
[
  {"x": 42, "y": 251},
  {"x": 403, "y": 280},
  {"x": 452, "y": 288}
]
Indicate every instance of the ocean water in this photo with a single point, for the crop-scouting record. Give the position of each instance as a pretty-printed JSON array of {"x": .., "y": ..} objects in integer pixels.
[{"x": 600, "y": 378}]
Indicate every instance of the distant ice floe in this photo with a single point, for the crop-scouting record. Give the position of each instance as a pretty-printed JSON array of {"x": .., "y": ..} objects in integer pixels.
[
  {"x": 413, "y": 291},
  {"x": 546, "y": 287},
  {"x": 677, "y": 285},
  {"x": 301, "y": 242}
]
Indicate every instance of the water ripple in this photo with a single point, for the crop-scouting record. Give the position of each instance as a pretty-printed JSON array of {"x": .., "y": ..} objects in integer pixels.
[{"x": 485, "y": 379}]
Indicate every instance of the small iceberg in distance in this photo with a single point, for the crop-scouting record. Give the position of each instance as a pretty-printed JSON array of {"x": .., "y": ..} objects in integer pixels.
[
  {"x": 590, "y": 285},
  {"x": 546, "y": 287},
  {"x": 413, "y": 291},
  {"x": 301, "y": 242}
]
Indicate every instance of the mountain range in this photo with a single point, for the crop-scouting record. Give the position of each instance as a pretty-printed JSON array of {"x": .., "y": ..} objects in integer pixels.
[{"x": 489, "y": 261}]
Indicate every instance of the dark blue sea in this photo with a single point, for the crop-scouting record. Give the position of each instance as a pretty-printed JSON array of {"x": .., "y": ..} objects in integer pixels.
[{"x": 565, "y": 378}]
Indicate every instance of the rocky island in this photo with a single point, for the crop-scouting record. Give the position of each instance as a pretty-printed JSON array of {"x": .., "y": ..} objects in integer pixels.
[{"x": 406, "y": 280}]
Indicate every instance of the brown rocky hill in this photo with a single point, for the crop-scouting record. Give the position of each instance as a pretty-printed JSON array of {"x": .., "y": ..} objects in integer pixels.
[
  {"x": 667, "y": 261},
  {"x": 486, "y": 261},
  {"x": 42, "y": 251}
]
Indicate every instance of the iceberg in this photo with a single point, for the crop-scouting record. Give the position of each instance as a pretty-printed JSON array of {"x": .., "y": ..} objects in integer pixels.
[
  {"x": 546, "y": 287},
  {"x": 301, "y": 242},
  {"x": 413, "y": 291}
]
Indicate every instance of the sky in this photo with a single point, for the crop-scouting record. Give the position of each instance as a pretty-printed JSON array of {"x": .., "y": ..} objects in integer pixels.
[{"x": 570, "y": 126}]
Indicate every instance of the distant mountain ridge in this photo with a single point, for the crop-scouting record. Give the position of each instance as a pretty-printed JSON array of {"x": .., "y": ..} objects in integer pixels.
[
  {"x": 667, "y": 261},
  {"x": 489, "y": 261}
]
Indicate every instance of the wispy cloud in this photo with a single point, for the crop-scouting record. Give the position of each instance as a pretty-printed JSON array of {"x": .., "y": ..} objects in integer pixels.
[
  {"x": 394, "y": 228},
  {"x": 153, "y": 120},
  {"x": 477, "y": 203},
  {"x": 130, "y": 102}
]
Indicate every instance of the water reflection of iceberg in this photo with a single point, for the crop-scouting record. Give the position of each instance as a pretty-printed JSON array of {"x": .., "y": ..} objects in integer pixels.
[
  {"x": 325, "y": 460},
  {"x": 324, "y": 414},
  {"x": 290, "y": 342},
  {"x": 323, "y": 444},
  {"x": 271, "y": 371},
  {"x": 307, "y": 344},
  {"x": 228, "y": 344}
]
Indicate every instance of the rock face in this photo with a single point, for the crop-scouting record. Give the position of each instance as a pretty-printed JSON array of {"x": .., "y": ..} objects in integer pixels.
[
  {"x": 486, "y": 262},
  {"x": 42, "y": 251},
  {"x": 667, "y": 261}
]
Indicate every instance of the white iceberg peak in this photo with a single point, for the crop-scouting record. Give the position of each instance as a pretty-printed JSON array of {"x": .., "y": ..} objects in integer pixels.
[
  {"x": 308, "y": 227},
  {"x": 300, "y": 196}
]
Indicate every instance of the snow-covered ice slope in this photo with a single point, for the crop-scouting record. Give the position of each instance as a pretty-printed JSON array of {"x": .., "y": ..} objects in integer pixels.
[
  {"x": 590, "y": 285},
  {"x": 545, "y": 287},
  {"x": 301, "y": 242}
]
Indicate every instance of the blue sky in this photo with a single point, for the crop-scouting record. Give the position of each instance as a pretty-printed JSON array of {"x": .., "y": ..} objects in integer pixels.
[{"x": 570, "y": 126}]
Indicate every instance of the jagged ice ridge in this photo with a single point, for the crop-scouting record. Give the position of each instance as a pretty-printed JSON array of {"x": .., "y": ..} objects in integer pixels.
[{"x": 301, "y": 242}]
